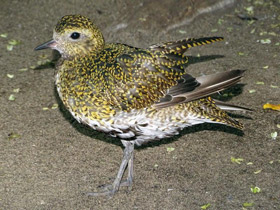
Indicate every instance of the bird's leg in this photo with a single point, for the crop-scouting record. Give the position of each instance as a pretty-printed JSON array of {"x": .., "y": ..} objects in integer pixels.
[
  {"x": 127, "y": 161},
  {"x": 128, "y": 181}
]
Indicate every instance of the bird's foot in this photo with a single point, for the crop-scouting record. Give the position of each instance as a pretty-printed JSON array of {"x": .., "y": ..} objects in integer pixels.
[
  {"x": 127, "y": 161},
  {"x": 110, "y": 190}
]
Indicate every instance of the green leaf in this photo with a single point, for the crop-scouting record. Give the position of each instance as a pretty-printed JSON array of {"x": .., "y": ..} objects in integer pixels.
[
  {"x": 13, "y": 136},
  {"x": 255, "y": 190},
  {"x": 265, "y": 41},
  {"x": 14, "y": 42},
  {"x": 247, "y": 204},
  {"x": 4, "y": 35},
  {"x": 258, "y": 171},
  {"x": 274, "y": 135},
  {"x": 10, "y": 76},
  {"x": 12, "y": 97},
  {"x": 236, "y": 160},
  {"x": 170, "y": 149},
  {"x": 10, "y": 47},
  {"x": 206, "y": 206}
]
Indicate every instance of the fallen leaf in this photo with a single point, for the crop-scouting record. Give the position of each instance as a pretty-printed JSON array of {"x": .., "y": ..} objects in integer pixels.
[
  {"x": 10, "y": 47},
  {"x": 12, "y": 97},
  {"x": 4, "y": 35},
  {"x": 248, "y": 204},
  {"x": 13, "y": 136},
  {"x": 16, "y": 90},
  {"x": 10, "y": 76},
  {"x": 272, "y": 106},
  {"x": 206, "y": 206},
  {"x": 265, "y": 41},
  {"x": 255, "y": 190},
  {"x": 274, "y": 135},
  {"x": 170, "y": 149},
  {"x": 258, "y": 171},
  {"x": 236, "y": 160}
]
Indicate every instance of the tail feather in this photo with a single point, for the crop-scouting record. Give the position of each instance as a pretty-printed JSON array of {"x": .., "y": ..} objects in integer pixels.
[
  {"x": 229, "y": 107},
  {"x": 181, "y": 46}
]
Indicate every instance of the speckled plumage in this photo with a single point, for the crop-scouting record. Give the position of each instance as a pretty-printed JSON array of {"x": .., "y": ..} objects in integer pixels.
[{"x": 138, "y": 95}]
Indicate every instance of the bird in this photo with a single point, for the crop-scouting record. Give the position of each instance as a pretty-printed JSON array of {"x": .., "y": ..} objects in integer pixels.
[{"x": 134, "y": 94}]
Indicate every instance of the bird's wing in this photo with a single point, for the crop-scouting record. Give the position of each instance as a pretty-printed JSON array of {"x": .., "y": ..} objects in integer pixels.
[
  {"x": 146, "y": 77},
  {"x": 133, "y": 78},
  {"x": 208, "y": 85}
]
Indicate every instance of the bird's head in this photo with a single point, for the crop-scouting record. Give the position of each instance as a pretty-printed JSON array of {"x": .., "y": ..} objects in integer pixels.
[{"x": 75, "y": 35}]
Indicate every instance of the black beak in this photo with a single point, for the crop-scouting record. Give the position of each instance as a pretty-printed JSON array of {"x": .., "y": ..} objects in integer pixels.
[{"x": 50, "y": 44}]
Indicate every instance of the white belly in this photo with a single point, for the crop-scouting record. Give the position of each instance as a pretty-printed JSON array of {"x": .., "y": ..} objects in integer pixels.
[{"x": 141, "y": 127}]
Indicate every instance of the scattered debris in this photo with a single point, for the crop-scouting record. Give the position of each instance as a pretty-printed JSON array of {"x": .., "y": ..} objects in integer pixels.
[
  {"x": 229, "y": 29},
  {"x": 12, "y": 43},
  {"x": 249, "y": 10},
  {"x": 258, "y": 171},
  {"x": 206, "y": 206},
  {"x": 247, "y": 204},
  {"x": 220, "y": 21},
  {"x": 236, "y": 160},
  {"x": 10, "y": 76},
  {"x": 182, "y": 32},
  {"x": 16, "y": 90},
  {"x": 274, "y": 135},
  {"x": 255, "y": 190},
  {"x": 265, "y": 41},
  {"x": 23, "y": 69},
  {"x": 272, "y": 106},
  {"x": 142, "y": 19},
  {"x": 214, "y": 30},
  {"x": 170, "y": 149},
  {"x": 13, "y": 136},
  {"x": 12, "y": 97},
  {"x": 54, "y": 106},
  {"x": 10, "y": 47},
  {"x": 4, "y": 35}
]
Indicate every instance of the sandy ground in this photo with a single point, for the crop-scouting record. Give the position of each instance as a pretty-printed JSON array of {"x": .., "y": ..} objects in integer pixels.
[{"x": 48, "y": 160}]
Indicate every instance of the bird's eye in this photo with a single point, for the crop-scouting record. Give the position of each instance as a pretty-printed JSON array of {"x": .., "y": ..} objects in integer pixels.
[{"x": 75, "y": 35}]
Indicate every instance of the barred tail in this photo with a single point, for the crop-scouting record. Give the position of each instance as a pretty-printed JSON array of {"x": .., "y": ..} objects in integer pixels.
[{"x": 182, "y": 45}]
